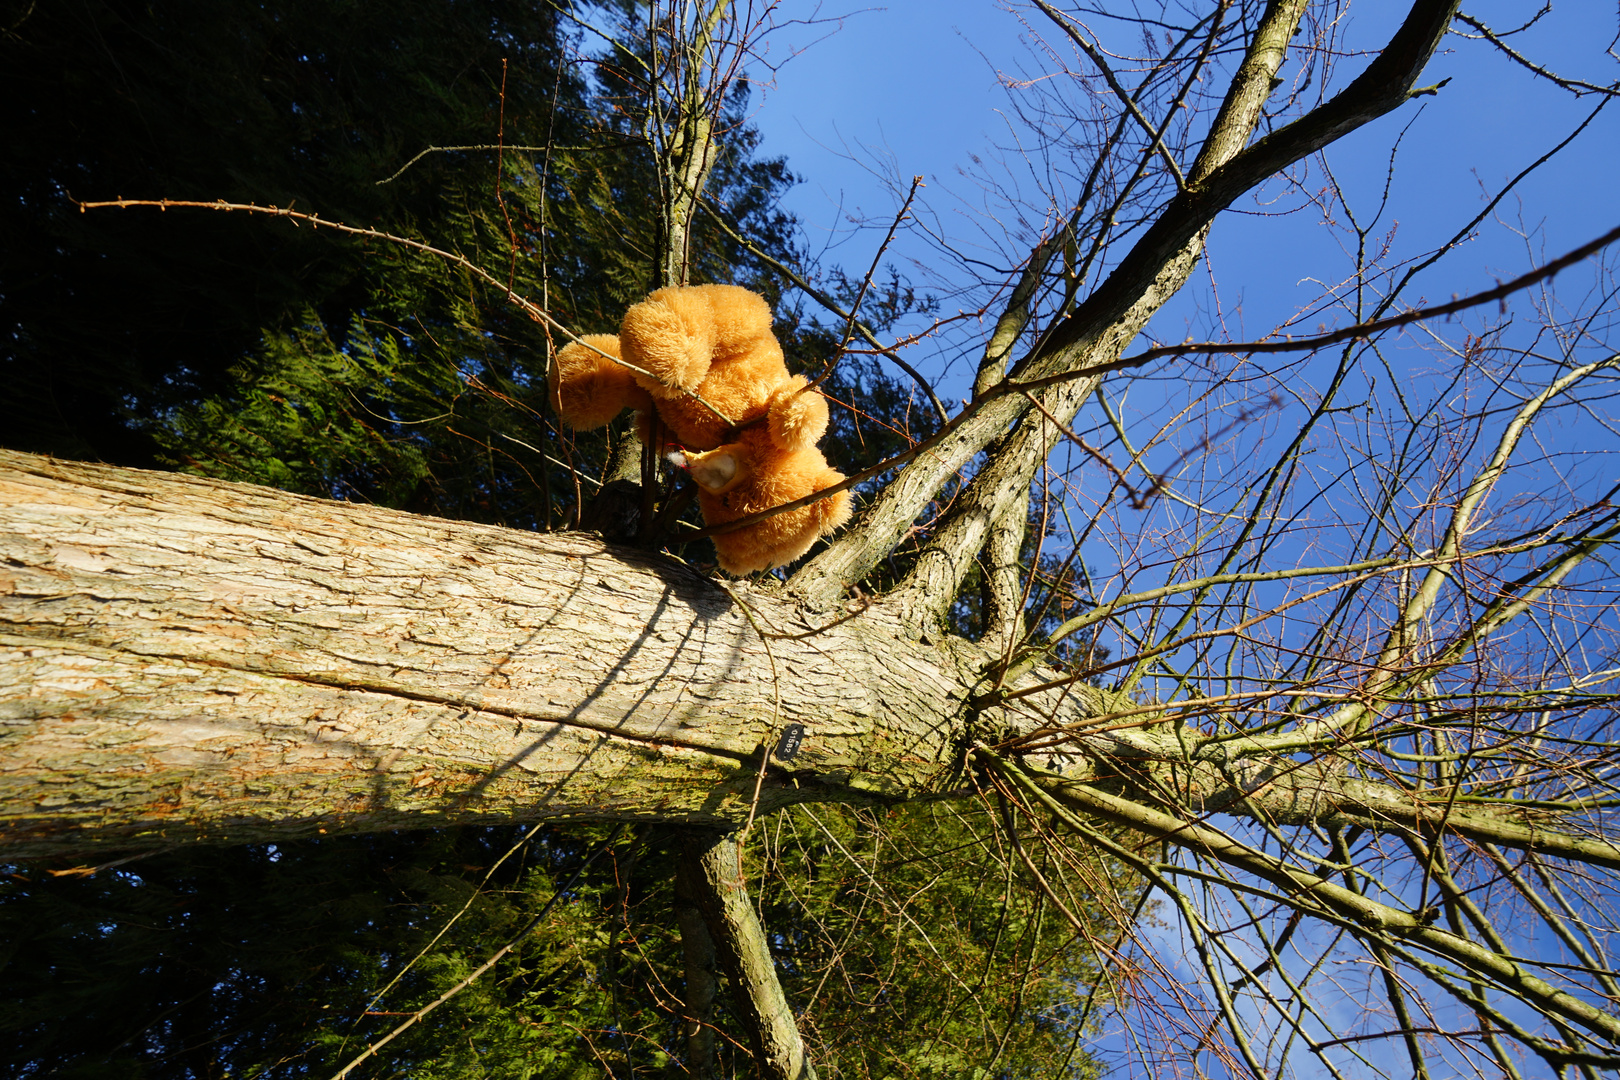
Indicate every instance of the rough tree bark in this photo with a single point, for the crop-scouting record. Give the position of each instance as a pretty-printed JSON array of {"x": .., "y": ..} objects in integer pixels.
[
  {"x": 193, "y": 660},
  {"x": 188, "y": 659},
  {"x": 710, "y": 875}
]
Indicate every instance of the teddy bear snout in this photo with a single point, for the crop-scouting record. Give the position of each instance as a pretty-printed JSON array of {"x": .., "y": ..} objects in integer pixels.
[{"x": 715, "y": 471}]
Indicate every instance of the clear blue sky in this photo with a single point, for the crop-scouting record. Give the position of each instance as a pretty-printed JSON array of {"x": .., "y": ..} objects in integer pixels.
[{"x": 913, "y": 88}]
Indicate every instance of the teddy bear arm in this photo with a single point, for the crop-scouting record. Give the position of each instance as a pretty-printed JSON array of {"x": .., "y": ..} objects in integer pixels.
[
  {"x": 742, "y": 318},
  {"x": 587, "y": 388}
]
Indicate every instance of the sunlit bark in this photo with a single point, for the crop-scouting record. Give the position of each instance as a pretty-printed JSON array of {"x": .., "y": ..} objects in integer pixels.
[{"x": 1390, "y": 724}]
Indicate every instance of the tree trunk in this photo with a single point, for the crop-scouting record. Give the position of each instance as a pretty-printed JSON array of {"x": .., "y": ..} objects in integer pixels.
[
  {"x": 188, "y": 659},
  {"x": 193, "y": 660}
]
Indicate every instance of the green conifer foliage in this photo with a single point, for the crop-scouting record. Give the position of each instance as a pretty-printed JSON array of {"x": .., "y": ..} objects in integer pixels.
[
  {"x": 113, "y": 317},
  {"x": 253, "y": 350},
  {"x": 905, "y": 938}
]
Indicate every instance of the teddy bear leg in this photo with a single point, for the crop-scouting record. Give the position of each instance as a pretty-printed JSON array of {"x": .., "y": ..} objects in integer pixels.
[
  {"x": 798, "y": 415},
  {"x": 676, "y": 333},
  {"x": 767, "y": 544},
  {"x": 587, "y": 388},
  {"x": 742, "y": 318},
  {"x": 740, "y": 556},
  {"x": 670, "y": 335}
]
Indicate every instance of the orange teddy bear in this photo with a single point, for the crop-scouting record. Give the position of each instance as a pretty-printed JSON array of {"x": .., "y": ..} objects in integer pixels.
[{"x": 715, "y": 341}]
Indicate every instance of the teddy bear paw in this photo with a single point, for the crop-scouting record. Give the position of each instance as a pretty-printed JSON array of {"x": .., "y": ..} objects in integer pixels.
[{"x": 670, "y": 335}]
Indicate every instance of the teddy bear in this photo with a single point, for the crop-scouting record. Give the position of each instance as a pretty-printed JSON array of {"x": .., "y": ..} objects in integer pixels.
[{"x": 679, "y": 352}]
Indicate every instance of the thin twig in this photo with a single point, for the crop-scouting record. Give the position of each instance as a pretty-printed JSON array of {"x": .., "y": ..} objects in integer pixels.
[
  {"x": 830, "y": 304},
  {"x": 866, "y": 283},
  {"x": 523, "y": 149},
  {"x": 528, "y": 307},
  {"x": 1578, "y": 87},
  {"x": 529, "y": 928},
  {"x": 1366, "y": 329}
]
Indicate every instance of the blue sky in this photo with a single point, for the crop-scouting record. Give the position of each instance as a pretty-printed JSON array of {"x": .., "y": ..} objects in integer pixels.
[{"x": 913, "y": 88}]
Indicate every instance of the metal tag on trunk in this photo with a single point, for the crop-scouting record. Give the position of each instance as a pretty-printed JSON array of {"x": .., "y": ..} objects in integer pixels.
[{"x": 787, "y": 748}]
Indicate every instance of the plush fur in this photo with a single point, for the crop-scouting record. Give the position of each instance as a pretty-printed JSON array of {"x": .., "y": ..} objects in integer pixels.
[
  {"x": 753, "y": 474},
  {"x": 588, "y": 389},
  {"x": 715, "y": 341}
]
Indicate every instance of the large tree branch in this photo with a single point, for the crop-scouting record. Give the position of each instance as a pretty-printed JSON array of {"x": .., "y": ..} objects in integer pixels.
[
  {"x": 702, "y": 976},
  {"x": 1385, "y": 85},
  {"x": 1002, "y": 487},
  {"x": 190, "y": 659},
  {"x": 710, "y": 872},
  {"x": 1103, "y": 324},
  {"x": 1319, "y": 792},
  {"x": 1318, "y": 896},
  {"x": 187, "y": 659}
]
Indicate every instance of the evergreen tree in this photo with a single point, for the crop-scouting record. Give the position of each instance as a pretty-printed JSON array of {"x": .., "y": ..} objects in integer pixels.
[
  {"x": 905, "y": 937},
  {"x": 114, "y": 318},
  {"x": 247, "y": 349}
]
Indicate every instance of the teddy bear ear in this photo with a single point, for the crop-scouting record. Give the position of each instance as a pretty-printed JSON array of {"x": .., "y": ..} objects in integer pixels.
[{"x": 798, "y": 415}]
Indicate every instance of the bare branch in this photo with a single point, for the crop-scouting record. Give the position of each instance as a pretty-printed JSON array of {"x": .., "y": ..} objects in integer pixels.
[
  {"x": 831, "y": 305},
  {"x": 711, "y": 874},
  {"x": 528, "y": 307},
  {"x": 1579, "y": 86}
]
